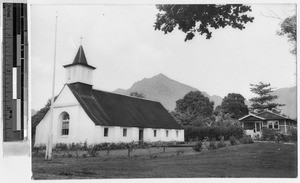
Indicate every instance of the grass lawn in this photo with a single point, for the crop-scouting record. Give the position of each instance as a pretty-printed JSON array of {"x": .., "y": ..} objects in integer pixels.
[{"x": 244, "y": 160}]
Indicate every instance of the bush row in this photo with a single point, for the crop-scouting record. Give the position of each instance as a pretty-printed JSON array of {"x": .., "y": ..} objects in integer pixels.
[
  {"x": 212, "y": 132},
  {"x": 293, "y": 133},
  {"x": 213, "y": 144},
  {"x": 106, "y": 146},
  {"x": 270, "y": 134}
]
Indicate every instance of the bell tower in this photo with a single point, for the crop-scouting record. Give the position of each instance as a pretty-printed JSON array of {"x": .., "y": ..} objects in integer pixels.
[{"x": 79, "y": 71}]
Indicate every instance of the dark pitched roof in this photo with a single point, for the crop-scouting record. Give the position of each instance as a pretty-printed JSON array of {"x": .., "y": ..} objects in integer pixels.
[
  {"x": 268, "y": 115},
  {"x": 80, "y": 59},
  {"x": 265, "y": 115},
  {"x": 110, "y": 109}
]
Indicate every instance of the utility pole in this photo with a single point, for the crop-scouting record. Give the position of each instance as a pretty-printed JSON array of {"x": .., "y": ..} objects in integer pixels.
[{"x": 48, "y": 154}]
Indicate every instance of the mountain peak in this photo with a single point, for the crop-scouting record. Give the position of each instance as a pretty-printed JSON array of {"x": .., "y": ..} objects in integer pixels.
[
  {"x": 163, "y": 89},
  {"x": 160, "y": 75}
]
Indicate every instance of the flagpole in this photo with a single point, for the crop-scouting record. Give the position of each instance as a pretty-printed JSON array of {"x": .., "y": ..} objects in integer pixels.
[{"x": 48, "y": 154}]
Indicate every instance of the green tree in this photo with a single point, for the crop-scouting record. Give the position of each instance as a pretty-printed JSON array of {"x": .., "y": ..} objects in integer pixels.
[
  {"x": 264, "y": 100},
  {"x": 288, "y": 27},
  {"x": 39, "y": 115},
  {"x": 224, "y": 119},
  {"x": 234, "y": 104},
  {"x": 184, "y": 119},
  {"x": 138, "y": 95},
  {"x": 193, "y": 108},
  {"x": 181, "y": 118},
  {"x": 192, "y": 19}
]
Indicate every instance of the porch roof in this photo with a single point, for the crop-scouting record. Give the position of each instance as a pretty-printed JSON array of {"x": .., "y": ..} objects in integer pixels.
[
  {"x": 265, "y": 115},
  {"x": 252, "y": 117}
]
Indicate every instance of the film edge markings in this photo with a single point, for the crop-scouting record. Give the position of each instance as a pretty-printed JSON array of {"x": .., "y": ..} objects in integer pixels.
[{"x": 15, "y": 72}]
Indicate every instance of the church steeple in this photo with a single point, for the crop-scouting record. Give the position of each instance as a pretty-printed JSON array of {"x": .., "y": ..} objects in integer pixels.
[
  {"x": 80, "y": 59},
  {"x": 79, "y": 70}
]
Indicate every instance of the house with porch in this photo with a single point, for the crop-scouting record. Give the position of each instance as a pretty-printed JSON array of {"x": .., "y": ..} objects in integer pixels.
[{"x": 253, "y": 123}]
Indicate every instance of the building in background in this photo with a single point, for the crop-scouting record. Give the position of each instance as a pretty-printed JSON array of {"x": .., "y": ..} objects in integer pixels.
[{"x": 253, "y": 123}]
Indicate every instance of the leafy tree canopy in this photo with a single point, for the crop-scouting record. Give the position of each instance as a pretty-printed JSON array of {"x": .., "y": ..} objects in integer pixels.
[
  {"x": 192, "y": 19},
  {"x": 195, "y": 104},
  {"x": 264, "y": 99},
  {"x": 35, "y": 119},
  {"x": 288, "y": 27},
  {"x": 234, "y": 104},
  {"x": 138, "y": 95},
  {"x": 184, "y": 119}
]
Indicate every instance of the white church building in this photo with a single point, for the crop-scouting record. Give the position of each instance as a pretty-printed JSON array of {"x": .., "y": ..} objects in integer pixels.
[{"x": 83, "y": 114}]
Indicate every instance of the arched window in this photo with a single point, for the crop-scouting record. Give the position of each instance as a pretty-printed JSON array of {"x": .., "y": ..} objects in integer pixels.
[{"x": 65, "y": 123}]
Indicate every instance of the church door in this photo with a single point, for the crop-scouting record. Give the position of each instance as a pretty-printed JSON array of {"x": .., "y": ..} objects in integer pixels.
[{"x": 141, "y": 134}]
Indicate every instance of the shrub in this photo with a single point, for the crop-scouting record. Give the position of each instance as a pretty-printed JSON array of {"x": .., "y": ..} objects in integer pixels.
[
  {"x": 121, "y": 145},
  {"x": 257, "y": 137},
  {"x": 38, "y": 148},
  {"x": 92, "y": 150},
  {"x": 268, "y": 134},
  {"x": 198, "y": 146},
  {"x": 61, "y": 146},
  {"x": 286, "y": 138},
  {"x": 180, "y": 152},
  {"x": 212, "y": 144},
  {"x": 143, "y": 144},
  {"x": 246, "y": 139},
  {"x": 212, "y": 132},
  {"x": 232, "y": 140},
  {"x": 85, "y": 147},
  {"x": 235, "y": 131},
  {"x": 221, "y": 143},
  {"x": 112, "y": 146},
  {"x": 293, "y": 136},
  {"x": 76, "y": 147}
]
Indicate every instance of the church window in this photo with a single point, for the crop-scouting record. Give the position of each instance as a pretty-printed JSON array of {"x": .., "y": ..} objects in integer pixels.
[
  {"x": 105, "y": 132},
  {"x": 65, "y": 124},
  {"x": 167, "y": 133},
  {"x": 176, "y": 133},
  {"x": 154, "y": 131},
  {"x": 124, "y": 132}
]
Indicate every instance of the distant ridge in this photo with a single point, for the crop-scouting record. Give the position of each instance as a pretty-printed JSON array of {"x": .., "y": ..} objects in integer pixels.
[
  {"x": 287, "y": 96},
  {"x": 167, "y": 91}
]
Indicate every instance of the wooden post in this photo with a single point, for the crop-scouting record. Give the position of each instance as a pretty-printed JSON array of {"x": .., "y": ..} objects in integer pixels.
[
  {"x": 129, "y": 149},
  {"x": 285, "y": 127}
]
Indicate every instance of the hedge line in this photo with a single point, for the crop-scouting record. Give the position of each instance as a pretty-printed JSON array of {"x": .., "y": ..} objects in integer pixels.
[{"x": 212, "y": 132}]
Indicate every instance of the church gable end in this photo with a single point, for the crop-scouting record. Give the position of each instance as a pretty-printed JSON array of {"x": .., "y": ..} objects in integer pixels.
[{"x": 65, "y": 98}]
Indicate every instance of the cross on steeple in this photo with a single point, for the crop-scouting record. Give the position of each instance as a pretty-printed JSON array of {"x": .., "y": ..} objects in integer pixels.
[{"x": 81, "y": 40}]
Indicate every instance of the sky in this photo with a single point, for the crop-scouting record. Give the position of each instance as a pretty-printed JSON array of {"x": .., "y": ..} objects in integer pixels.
[{"x": 120, "y": 41}]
